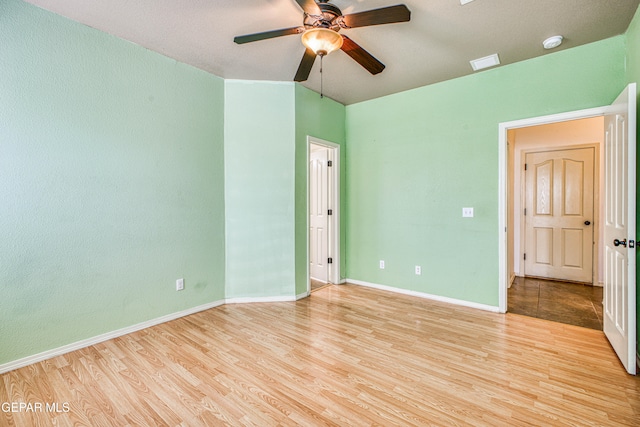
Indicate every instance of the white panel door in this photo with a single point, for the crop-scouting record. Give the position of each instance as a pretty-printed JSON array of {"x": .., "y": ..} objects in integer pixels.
[
  {"x": 620, "y": 228},
  {"x": 318, "y": 218},
  {"x": 559, "y": 214}
]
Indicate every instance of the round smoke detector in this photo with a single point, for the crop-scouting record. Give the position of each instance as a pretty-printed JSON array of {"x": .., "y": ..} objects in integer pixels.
[{"x": 552, "y": 42}]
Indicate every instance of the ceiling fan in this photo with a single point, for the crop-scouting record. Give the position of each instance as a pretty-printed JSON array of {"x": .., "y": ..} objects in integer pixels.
[{"x": 321, "y": 23}]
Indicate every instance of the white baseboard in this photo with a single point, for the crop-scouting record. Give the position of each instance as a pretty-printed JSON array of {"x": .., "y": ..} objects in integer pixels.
[
  {"x": 247, "y": 300},
  {"x": 448, "y": 300},
  {"x": 302, "y": 295},
  {"x": 25, "y": 361}
]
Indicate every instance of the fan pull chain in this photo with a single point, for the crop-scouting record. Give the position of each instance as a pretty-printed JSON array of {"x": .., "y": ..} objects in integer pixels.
[{"x": 321, "y": 90}]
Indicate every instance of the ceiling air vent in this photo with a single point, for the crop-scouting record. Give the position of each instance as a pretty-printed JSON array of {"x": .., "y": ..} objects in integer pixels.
[{"x": 486, "y": 62}]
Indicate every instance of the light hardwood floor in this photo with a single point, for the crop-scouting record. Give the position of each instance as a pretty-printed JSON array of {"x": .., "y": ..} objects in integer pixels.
[{"x": 347, "y": 355}]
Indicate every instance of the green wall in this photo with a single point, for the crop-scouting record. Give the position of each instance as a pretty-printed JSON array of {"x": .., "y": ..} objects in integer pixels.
[
  {"x": 325, "y": 119},
  {"x": 633, "y": 76},
  {"x": 259, "y": 189},
  {"x": 633, "y": 50},
  {"x": 111, "y": 183},
  {"x": 417, "y": 158},
  {"x": 266, "y": 183}
]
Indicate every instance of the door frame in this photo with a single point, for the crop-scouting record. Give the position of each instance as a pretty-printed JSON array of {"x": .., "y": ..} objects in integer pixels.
[
  {"x": 503, "y": 184},
  {"x": 333, "y": 201},
  {"x": 521, "y": 193}
]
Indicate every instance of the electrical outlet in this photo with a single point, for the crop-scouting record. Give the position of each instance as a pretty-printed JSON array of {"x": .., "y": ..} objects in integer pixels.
[
  {"x": 179, "y": 284},
  {"x": 381, "y": 264},
  {"x": 467, "y": 212},
  {"x": 418, "y": 270}
]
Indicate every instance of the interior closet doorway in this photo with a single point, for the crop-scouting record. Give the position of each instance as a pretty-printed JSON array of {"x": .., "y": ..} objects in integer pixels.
[{"x": 324, "y": 211}]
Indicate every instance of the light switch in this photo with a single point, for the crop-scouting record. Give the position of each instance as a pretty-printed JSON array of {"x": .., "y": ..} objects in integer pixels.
[{"x": 467, "y": 212}]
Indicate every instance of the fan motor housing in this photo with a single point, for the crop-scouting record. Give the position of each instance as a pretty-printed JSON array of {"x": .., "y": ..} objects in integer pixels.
[
  {"x": 330, "y": 9},
  {"x": 328, "y": 19}
]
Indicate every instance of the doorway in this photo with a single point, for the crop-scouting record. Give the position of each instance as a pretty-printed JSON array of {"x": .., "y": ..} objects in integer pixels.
[
  {"x": 578, "y": 129},
  {"x": 324, "y": 211},
  {"x": 555, "y": 170},
  {"x": 543, "y": 160}
]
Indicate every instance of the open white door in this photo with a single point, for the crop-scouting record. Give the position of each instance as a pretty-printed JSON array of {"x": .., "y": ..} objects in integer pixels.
[
  {"x": 318, "y": 209},
  {"x": 324, "y": 210},
  {"x": 620, "y": 227}
]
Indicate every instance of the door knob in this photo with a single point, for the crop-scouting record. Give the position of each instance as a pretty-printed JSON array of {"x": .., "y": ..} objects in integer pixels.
[
  {"x": 587, "y": 222},
  {"x": 622, "y": 242}
]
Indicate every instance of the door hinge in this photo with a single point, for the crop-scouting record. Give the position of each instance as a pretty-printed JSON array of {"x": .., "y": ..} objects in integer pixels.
[
  {"x": 330, "y": 163},
  {"x": 330, "y": 261},
  {"x": 525, "y": 166},
  {"x": 525, "y": 211},
  {"x": 525, "y": 257},
  {"x": 330, "y": 212}
]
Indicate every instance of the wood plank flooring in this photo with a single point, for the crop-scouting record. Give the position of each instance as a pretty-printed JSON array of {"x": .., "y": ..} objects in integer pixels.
[
  {"x": 347, "y": 355},
  {"x": 317, "y": 284}
]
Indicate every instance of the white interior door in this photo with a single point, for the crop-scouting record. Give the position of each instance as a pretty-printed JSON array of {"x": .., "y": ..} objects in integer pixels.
[
  {"x": 620, "y": 228},
  {"x": 318, "y": 210},
  {"x": 559, "y": 214}
]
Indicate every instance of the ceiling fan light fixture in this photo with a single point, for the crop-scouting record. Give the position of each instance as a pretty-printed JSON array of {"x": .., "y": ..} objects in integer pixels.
[{"x": 322, "y": 41}]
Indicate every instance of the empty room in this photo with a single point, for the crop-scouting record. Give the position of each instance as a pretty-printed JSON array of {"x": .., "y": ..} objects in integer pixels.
[{"x": 299, "y": 212}]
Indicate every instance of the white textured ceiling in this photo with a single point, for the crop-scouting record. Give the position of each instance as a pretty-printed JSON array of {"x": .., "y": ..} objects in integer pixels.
[{"x": 436, "y": 45}]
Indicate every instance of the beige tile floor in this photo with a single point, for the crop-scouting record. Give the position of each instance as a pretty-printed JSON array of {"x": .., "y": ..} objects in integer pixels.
[{"x": 563, "y": 302}]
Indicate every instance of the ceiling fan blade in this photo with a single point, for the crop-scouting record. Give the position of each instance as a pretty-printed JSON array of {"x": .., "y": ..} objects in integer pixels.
[
  {"x": 310, "y": 7},
  {"x": 385, "y": 15},
  {"x": 305, "y": 66},
  {"x": 268, "y": 35},
  {"x": 361, "y": 56}
]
